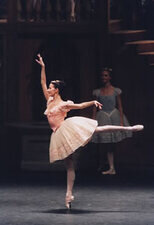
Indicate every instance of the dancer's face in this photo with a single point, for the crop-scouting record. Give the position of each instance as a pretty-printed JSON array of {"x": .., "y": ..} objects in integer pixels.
[
  {"x": 52, "y": 90},
  {"x": 105, "y": 77}
]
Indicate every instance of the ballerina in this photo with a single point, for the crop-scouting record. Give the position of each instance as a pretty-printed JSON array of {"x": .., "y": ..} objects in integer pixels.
[
  {"x": 111, "y": 114},
  {"x": 71, "y": 133}
]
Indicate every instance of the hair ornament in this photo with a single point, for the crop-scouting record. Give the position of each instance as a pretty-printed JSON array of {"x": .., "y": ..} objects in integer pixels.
[{"x": 107, "y": 69}]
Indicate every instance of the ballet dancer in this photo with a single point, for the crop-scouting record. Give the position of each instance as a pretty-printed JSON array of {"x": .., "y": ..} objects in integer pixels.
[{"x": 71, "y": 133}]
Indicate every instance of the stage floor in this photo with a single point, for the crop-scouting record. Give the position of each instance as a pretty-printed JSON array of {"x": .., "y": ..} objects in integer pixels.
[{"x": 38, "y": 199}]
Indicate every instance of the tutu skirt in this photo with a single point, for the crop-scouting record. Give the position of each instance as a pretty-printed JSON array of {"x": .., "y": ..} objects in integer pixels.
[{"x": 73, "y": 133}]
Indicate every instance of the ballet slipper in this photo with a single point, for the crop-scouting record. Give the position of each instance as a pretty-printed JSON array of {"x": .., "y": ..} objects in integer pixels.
[
  {"x": 109, "y": 172},
  {"x": 72, "y": 19}
]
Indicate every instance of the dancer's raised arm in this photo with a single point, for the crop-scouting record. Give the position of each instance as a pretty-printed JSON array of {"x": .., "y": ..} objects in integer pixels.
[
  {"x": 43, "y": 76},
  {"x": 85, "y": 105}
]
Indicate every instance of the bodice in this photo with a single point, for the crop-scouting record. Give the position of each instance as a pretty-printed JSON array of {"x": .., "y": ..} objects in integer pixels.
[
  {"x": 57, "y": 113},
  {"x": 108, "y": 101}
]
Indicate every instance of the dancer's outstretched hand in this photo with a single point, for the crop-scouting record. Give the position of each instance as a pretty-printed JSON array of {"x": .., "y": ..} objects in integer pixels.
[
  {"x": 40, "y": 60},
  {"x": 98, "y": 104}
]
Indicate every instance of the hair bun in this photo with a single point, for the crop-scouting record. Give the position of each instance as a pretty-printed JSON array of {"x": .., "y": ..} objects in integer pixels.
[{"x": 107, "y": 69}]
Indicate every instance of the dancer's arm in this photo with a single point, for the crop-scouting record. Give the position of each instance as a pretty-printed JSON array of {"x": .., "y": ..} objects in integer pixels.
[
  {"x": 94, "y": 110},
  {"x": 94, "y": 113},
  {"x": 119, "y": 102},
  {"x": 85, "y": 105},
  {"x": 43, "y": 76}
]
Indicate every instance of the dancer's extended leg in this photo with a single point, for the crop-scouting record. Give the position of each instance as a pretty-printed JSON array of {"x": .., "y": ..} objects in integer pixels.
[
  {"x": 70, "y": 181},
  {"x": 107, "y": 128}
]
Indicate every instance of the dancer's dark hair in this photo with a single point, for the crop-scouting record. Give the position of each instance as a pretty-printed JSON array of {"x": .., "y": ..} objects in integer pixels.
[{"x": 59, "y": 84}]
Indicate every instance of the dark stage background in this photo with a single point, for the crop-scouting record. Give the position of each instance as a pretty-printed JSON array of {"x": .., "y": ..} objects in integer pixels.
[{"x": 74, "y": 51}]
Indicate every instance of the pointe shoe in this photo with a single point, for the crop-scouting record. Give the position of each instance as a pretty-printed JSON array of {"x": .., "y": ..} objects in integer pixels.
[
  {"x": 137, "y": 128},
  {"x": 109, "y": 172},
  {"x": 68, "y": 201}
]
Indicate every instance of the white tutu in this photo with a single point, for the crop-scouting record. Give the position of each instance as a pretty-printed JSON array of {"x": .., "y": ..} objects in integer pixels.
[{"x": 73, "y": 133}]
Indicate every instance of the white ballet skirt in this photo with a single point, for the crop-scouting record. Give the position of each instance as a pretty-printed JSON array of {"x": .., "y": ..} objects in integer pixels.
[{"x": 69, "y": 134}]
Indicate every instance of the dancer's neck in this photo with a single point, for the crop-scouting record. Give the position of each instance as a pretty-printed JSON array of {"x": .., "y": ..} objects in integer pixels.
[
  {"x": 57, "y": 98},
  {"x": 107, "y": 85}
]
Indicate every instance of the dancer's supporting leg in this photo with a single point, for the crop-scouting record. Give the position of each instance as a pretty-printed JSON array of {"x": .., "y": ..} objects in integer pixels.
[
  {"x": 109, "y": 149},
  {"x": 70, "y": 181},
  {"x": 107, "y": 128},
  {"x": 72, "y": 10},
  {"x": 110, "y": 157}
]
